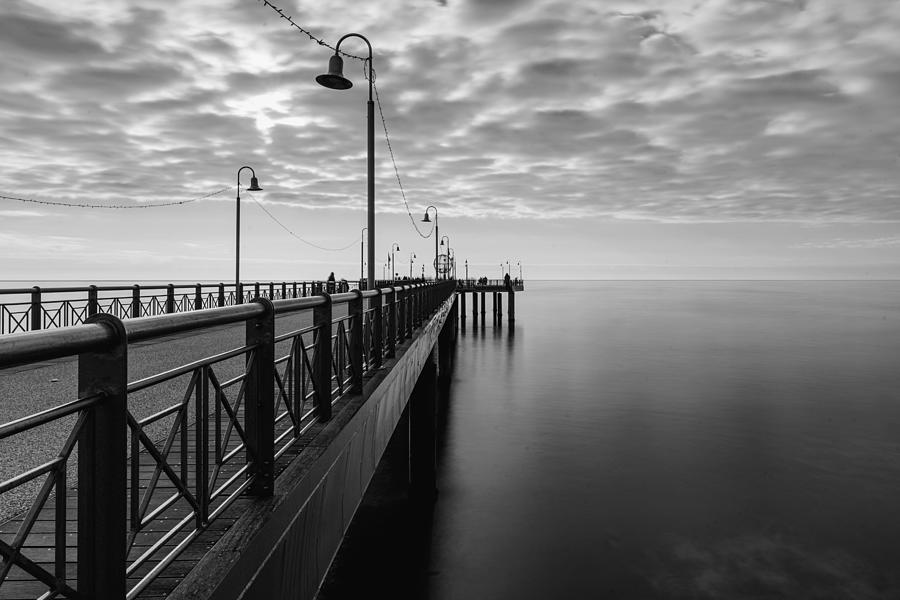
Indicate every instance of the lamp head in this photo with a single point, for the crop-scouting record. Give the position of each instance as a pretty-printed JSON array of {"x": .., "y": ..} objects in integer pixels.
[
  {"x": 426, "y": 219},
  {"x": 254, "y": 185},
  {"x": 334, "y": 78}
]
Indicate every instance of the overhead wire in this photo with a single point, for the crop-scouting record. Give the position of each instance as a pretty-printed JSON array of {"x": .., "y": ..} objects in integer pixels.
[
  {"x": 364, "y": 60},
  {"x": 288, "y": 229},
  {"x": 115, "y": 206}
]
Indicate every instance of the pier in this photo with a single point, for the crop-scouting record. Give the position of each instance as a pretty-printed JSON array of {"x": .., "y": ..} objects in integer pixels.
[{"x": 233, "y": 475}]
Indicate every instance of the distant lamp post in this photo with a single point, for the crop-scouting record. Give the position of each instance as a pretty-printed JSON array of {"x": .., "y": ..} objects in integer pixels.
[
  {"x": 507, "y": 268},
  {"x": 451, "y": 260},
  {"x": 444, "y": 237},
  {"x": 254, "y": 187},
  {"x": 501, "y": 271},
  {"x": 519, "y": 264},
  {"x": 394, "y": 246},
  {"x": 335, "y": 80},
  {"x": 467, "y": 268},
  {"x": 412, "y": 255},
  {"x": 425, "y": 219}
]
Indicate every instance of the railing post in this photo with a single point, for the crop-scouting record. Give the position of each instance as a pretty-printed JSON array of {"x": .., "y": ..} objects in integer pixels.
[
  {"x": 392, "y": 324},
  {"x": 295, "y": 289},
  {"x": 102, "y": 499},
  {"x": 322, "y": 358},
  {"x": 170, "y": 298},
  {"x": 401, "y": 317},
  {"x": 221, "y": 294},
  {"x": 259, "y": 400},
  {"x": 92, "y": 301},
  {"x": 37, "y": 310},
  {"x": 256, "y": 290},
  {"x": 271, "y": 290},
  {"x": 304, "y": 289},
  {"x": 198, "y": 297},
  {"x": 239, "y": 293},
  {"x": 355, "y": 310},
  {"x": 284, "y": 289},
  {"x": 135, "y": 301},
  {"x": 377, "y": 329}
]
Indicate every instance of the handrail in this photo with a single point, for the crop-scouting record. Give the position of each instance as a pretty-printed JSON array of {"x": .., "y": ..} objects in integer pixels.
[{"x": 241, "y": 423}]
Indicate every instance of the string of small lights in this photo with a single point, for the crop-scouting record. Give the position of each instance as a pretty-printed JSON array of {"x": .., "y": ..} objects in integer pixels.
[
  {"x": 387, "y": 137},
  {"x": 286, "y": 228},
  {"x": 115, "y": 206}
]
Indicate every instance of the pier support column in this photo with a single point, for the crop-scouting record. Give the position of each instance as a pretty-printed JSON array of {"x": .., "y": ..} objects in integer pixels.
[
  {"x": 511, "y": 311},
  {"x": 499, "y": 306},
  {"x": 462, "y": 305},
  {"x": 422, "y": 451},
  {"x": 475, "y": 306},
  {"x": 483, "y": 305}
]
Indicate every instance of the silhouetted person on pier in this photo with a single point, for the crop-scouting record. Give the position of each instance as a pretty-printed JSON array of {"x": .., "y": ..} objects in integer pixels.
[
  {"x": 329, "y": 285},
  {"x": 506, "y": 282}
]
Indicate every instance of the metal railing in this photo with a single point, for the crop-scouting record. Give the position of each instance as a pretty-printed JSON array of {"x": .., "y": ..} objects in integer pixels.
[
  {"x": 37, "y": 308},
  {"x": 156, "y": 478},
  {"x": 517, "y": 285}
]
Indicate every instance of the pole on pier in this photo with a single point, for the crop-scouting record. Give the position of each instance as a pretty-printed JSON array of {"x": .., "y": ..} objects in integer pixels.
[
  {"x": 422, "y": 414},
  {"x": 322, "y": 359},
  {"x": 37, "y": 312},
  {"x": 259, "y": 399},
  {"x": 102, "y": 467},
  {"x": 355, "y": 310}
]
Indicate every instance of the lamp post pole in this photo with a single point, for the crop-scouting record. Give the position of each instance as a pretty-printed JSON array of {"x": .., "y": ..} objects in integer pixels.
[
  {"x": 254, "y": 187},
  {"x": 519, "y": 263},
  {"x": 467, "y": 269},
  {"x": 394, "y": 246},
  {"x": 335, "y": 80},
  {"x": 412, "y": 255},
  {"x": 425, "y": 219}
]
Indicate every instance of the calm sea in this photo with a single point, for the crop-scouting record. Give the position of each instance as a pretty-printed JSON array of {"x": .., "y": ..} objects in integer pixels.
[{"x": 660, "y": 440}]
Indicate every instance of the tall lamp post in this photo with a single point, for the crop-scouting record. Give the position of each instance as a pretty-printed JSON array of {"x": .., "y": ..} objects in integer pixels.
[
  {"x": 254, "y": 187},
  {"x": 394, "y": 246},
  {"x": 412, "y": 255},
  {"x": 519, "y": 264},
  {"x": 425, "y": 219},
  {"x": 335, "y": 80},
  {"x": 451, "y": 260},
  {"x": 467, "y": 269}
]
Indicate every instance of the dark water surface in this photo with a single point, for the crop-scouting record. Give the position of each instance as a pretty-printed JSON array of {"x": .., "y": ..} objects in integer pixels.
[{"x": 667, "y": 440}]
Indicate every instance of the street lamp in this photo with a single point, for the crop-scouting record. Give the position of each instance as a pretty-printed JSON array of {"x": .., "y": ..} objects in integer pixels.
[
  {"x": 425, "y": 219},
  {"x": 412, "y": 255},
  {"x": 467, "y": 269},
  {"x": 335, "y": 80},
  {"x": 254, "y": 187},
  {"x": 394, "y": 246},
  {"x": 444, "y": 237},
  {"x": 361, "y": 259},
  {"x": 501, "y": 271},
  {"x": 519, "y": 264},
  {"x": 451, "y": 260}
]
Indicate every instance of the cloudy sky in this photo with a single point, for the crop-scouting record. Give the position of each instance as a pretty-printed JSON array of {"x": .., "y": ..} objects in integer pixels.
[{"x": 580, "y": 138}]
